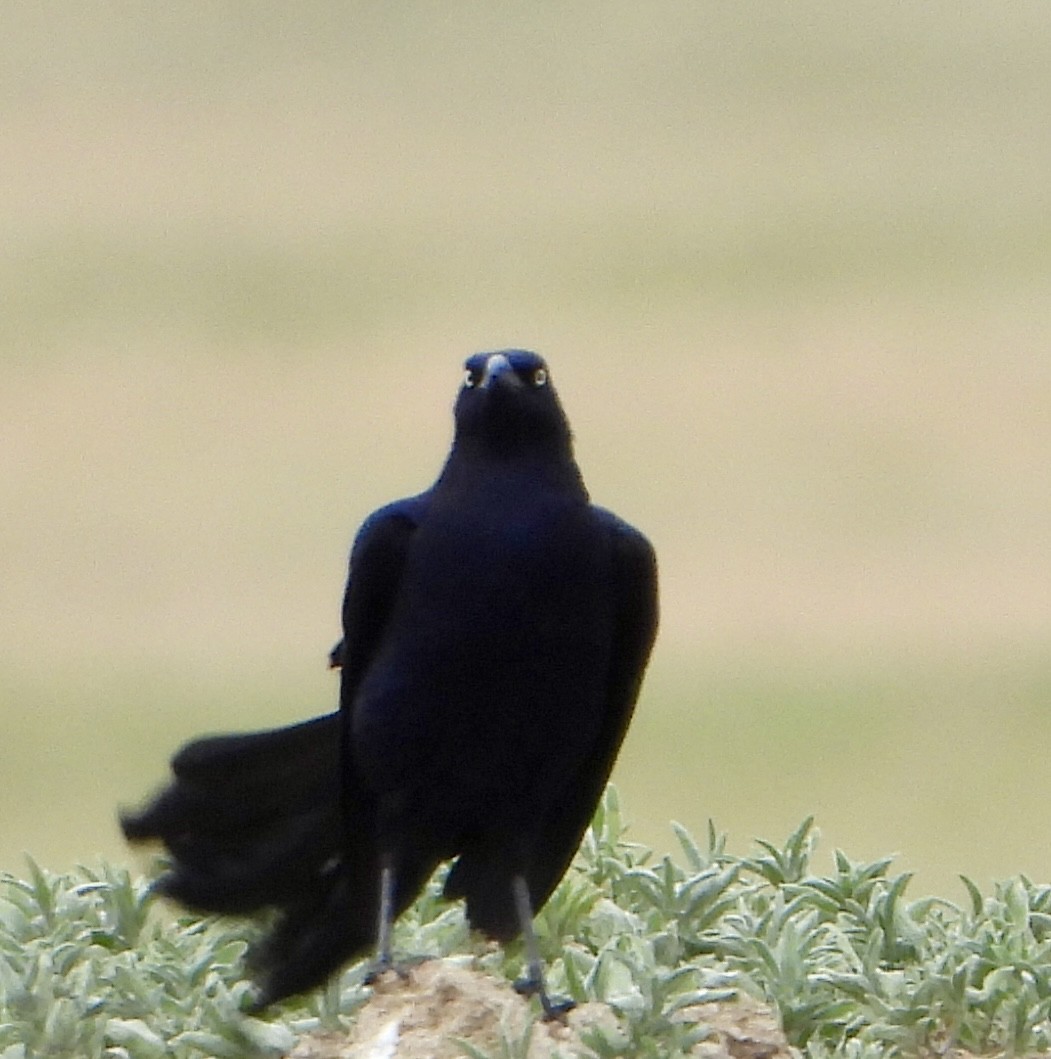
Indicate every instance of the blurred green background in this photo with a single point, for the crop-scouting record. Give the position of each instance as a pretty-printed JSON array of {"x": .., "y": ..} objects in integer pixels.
[{"x": 791, "y": 265}]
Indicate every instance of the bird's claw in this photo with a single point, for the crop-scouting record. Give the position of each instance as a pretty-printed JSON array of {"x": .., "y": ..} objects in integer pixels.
[
  {"x": 400, "y": 967},
  {"x": 376, "y": 972},
  {"x": 555, "y": 1008}
]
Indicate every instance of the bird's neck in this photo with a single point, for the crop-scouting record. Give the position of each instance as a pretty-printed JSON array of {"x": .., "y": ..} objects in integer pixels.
[{"x": 545, "y": 466}]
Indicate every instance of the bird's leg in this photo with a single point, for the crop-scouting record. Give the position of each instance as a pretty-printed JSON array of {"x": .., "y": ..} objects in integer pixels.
[
  {"x": 533, "y": 982},
  {"x": 384, "y": 959}
]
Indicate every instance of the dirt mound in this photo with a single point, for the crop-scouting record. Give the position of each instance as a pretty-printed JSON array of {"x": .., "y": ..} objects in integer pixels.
[{"x": 437, "y": 1004}]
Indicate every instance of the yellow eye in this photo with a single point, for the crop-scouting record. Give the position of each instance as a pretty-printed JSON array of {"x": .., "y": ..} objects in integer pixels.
[{"x": 540, "y": 377}]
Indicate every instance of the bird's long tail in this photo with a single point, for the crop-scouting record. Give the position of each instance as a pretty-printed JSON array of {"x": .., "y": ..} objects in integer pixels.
[{"x": 253, "y": 821}]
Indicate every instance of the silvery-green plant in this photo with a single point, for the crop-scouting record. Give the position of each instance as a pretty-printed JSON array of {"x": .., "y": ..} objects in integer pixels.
[{"x": 92, "y": 965}]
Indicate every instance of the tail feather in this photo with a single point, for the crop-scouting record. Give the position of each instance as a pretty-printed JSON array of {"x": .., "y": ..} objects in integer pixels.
[
  {"x": 244, "y": 872},
  {"x": 248, "y": 820},
  {"x": 482, "y": 876},
  {"x": 315, "y": 936},
  {"x": 233, "y": 759},
  {"x": 274, "y": 820},
  {"x": 254, "y": 821}
]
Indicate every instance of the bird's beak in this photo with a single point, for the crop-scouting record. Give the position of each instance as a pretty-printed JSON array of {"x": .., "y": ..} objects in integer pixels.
[{"x": 498, "y": 368}]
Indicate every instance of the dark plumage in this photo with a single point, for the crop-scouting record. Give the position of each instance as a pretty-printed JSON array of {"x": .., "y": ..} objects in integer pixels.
[{"x": 495, "y": 632}]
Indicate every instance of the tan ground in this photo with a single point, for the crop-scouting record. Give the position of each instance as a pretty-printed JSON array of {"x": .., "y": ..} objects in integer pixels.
[{"x": 423, "y": 1015}]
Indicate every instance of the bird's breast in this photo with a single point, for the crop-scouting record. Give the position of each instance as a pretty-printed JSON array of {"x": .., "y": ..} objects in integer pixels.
[{"x": 492, "y": 671}]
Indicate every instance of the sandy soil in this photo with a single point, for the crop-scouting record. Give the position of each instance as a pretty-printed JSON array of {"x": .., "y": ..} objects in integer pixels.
[{"x": 425, "y": 1014}]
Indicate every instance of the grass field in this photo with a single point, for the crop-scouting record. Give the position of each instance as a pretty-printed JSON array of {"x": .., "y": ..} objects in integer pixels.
[{"x": 791, "y": 266}]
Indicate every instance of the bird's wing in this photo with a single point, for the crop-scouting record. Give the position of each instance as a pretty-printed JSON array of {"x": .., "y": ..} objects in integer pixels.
[
  {"x": 376, "y": 563},
  {"x": 377, "y": 560},
  {"x": 634, "y": 627}
]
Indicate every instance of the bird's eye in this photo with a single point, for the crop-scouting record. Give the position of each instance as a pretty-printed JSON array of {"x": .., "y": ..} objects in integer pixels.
[
  {"x": 470, "y": 379},
  {"x": 540, "y": 377}
]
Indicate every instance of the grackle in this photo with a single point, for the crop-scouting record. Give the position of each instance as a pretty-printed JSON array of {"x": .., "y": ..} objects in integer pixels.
[{"x": 495, "y": 632}]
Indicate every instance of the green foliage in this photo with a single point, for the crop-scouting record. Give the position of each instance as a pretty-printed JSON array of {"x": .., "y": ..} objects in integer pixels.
[
  {"x": 91, "y": 965},
  {"x": 512, "y": 1046}
]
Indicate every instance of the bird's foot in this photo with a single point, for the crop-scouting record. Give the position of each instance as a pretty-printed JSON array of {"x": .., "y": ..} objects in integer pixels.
[
  {"x": 400, "y": 967},
  {"x": 555, "y": 1008}
]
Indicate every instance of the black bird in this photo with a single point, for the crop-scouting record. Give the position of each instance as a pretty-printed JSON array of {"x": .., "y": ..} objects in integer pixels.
[{"x": 495, "y": 633}]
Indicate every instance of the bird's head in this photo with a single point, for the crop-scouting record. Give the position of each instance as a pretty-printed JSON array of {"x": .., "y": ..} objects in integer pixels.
[{"x": 507, "y": 405}]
